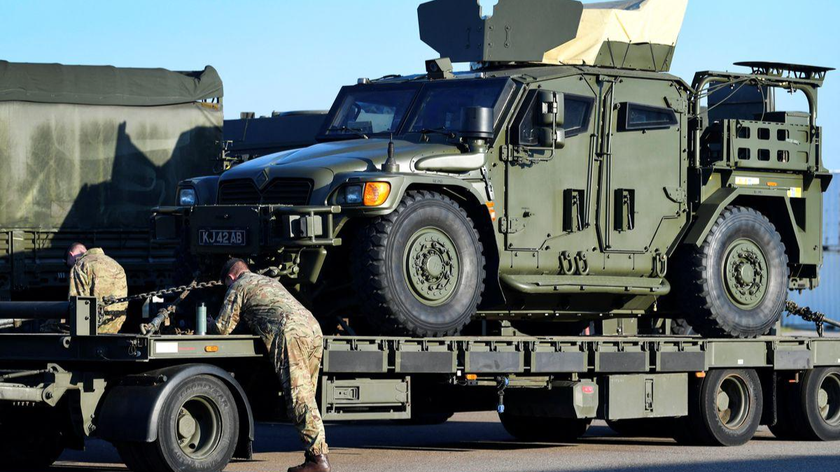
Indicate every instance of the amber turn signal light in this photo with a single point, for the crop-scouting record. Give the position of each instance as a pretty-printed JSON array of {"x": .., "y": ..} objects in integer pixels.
[{"x": 376, "y": 193}]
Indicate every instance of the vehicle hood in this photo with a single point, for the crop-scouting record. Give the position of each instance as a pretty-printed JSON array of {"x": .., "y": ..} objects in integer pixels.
[{"x": 322, "y": 162}]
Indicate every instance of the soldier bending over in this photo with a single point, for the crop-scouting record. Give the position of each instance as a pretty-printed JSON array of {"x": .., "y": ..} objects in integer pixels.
[
  {"x": 93, "y": 274},
  {"x": 295, "y": 344}
]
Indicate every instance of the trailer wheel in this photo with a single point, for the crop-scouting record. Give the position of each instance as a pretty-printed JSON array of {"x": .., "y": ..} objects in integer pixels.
[
  {"x": 544, "y": 429},
  {"x": 818, "y": 417},
  {"x": 197, "y": 430},
  {"x": 737, "y": 281},
  {"x": 725, "y": 407},
  {"x": 420, "y": 270}
]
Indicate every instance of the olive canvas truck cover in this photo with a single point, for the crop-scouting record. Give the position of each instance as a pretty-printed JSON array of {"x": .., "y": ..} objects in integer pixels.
[{"x": 85, "y": 153}]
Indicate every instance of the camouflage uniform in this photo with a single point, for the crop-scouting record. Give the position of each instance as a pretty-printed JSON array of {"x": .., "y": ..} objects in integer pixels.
[
  {"x": 97, "y": 275},
  {"x": 294, "y": 342}
]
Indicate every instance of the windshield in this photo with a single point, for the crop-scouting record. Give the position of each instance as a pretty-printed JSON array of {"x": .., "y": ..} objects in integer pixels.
[
  {"x": 379, "y": 110},
  {"x": 364, "y": 110},
  {"x": 439, "y": 105}
]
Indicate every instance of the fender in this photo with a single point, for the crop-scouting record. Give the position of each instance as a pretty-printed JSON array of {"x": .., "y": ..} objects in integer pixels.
[
  {"x": 131, "y": 410},
  {"x": 712, "y": 207}
]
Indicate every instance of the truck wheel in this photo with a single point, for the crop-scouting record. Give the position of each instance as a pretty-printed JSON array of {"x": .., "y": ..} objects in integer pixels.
[
  {"x": 725, "y": 408},
  {"x": 544, "y": 429},
  {"x": 818, "y": 415},
  {"x": 737, "y": 282},
  {"x": 197, "y": 430},
  {"x": 420, "y": 270}
]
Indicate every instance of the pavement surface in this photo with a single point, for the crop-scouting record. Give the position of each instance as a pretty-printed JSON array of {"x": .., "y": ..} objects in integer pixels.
[{"x": 477, "y": 442}]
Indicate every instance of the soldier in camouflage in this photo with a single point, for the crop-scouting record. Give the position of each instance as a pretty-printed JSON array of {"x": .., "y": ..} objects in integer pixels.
[
  {"x": 93, "y": 274},
  {"x": 294, "y": 342}
]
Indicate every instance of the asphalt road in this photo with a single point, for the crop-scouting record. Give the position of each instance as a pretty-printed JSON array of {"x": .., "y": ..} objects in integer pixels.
[{"x": 477, "y": 442}]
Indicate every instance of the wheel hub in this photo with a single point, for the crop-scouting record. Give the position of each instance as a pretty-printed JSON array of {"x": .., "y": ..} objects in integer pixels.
[
  {"x": 732, "y": 402},
  {"x": 828, "y": 399},
  {"x": 198, "y": 427},
  {"x": 432, "y": 266},
  {"x": 745, "y": 274}
]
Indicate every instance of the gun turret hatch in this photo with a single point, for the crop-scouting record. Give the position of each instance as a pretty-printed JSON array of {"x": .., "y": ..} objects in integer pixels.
[{"x": 629, "y": 34}]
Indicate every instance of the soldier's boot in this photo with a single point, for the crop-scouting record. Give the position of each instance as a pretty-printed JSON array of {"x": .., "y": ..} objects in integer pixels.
[{"x": 313, "y": 463}]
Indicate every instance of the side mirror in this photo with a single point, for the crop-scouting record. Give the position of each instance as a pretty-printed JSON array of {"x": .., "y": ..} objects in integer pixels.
[
  {"x": 552, "y": 110},
  {"x": 552, "y": 138},
  {"x": 551, "y": 118},
  {"x": 477, "y": 122}
]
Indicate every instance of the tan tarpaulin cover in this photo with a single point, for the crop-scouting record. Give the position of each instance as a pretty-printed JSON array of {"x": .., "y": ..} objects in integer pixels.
[{"x": 633, "y": 22}]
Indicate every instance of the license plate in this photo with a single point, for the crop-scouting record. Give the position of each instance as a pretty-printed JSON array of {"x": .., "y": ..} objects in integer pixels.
[{"x": 222, "y": 237}]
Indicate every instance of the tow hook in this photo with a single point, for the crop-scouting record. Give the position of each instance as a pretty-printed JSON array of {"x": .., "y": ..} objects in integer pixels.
[{"x": 501, "y": 385}]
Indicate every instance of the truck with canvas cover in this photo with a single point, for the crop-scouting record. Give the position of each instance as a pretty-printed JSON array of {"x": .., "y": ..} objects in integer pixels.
[
  {"x": 86, "y": 152},
  {"x": 566, "y": 177}
]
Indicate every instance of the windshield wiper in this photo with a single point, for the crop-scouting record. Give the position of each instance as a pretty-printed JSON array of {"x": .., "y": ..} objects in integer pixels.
[
  {"x": 344, "y": 129},
  {"x": 442, "y": 130}
]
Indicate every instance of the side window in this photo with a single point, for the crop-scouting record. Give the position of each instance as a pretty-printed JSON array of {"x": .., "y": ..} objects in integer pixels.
[
  {"x": 525, "y": 126},
  {"x": 578, "y": 113},
  {"x": 634, "y": 117}
]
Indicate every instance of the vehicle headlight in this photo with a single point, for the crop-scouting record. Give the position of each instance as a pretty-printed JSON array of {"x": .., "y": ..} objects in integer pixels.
[
  {"x": 351, "y": 195},
  {"x": 187, "y": 197}
]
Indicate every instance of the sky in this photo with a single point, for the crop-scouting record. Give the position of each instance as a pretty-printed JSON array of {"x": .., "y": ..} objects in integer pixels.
[{"x": 295, "y": 55}]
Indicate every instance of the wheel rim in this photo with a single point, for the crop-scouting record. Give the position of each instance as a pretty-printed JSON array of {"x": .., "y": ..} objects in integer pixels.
[
  {"x": 745, "y": 274},
  {"x": 198, "y": 427},
  {"x": 828, "y": 399},
  {"x": 733, "y": 402},
  {"x": 432, "y": 266}
]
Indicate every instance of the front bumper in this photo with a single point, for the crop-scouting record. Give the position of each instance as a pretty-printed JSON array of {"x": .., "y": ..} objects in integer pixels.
[{"x": 266, "y": 227}]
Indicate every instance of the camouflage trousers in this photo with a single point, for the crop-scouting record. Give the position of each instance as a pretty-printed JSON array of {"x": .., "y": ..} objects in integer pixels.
[{"x": 297, "y": 350}]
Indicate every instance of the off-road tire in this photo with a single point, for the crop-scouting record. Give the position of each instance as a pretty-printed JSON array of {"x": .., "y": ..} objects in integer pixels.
[
  {"x": 166, "y": 455},
  {"x": 544, "y": 429},
  {"x": 386, "y": 283},
  {"x": 714, "y": 425},
  {"x": 742, "y": 242}
]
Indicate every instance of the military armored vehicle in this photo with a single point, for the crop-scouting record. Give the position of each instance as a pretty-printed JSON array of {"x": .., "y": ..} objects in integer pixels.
[
  {"x": 566, "y": 177},
  {"x": 86, "y": 152}
]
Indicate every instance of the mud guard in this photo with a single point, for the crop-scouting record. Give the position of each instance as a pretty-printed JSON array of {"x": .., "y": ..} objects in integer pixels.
[
  {"x": 130, "y": 411},
  {"x": 710, "y": 209}
]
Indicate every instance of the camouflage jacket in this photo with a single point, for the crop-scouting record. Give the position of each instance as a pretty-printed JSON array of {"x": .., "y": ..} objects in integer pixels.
[
  {"x": 97, "y": 275},
  {"x": 262, "y": 303}
]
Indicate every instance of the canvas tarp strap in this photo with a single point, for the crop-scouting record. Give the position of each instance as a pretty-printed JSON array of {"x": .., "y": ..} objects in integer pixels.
[{"x": 105, "y": 85}]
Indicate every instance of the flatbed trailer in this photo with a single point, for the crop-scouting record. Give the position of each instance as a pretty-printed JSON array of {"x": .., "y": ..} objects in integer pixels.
[{"x": 184, "y": 402}]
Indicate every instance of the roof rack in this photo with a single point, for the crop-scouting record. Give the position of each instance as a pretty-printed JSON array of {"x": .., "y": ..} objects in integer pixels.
[{"x": 790, "y": 71}]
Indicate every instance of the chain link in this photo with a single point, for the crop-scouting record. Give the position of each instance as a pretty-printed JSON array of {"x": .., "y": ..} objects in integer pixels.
[
  {"x": 807, "y": 314},
  {"x": 108, "y": 301}
]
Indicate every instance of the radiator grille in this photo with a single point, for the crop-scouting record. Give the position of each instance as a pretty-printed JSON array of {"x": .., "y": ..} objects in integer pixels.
[{"x": 278, "y": 192}]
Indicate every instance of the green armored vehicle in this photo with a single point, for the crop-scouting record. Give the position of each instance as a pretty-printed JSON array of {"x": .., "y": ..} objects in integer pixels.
[{"x": 567, "y": 177}]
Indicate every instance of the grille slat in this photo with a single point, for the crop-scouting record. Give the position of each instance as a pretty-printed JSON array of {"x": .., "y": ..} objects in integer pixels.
[{"x": 278, "y": 192}]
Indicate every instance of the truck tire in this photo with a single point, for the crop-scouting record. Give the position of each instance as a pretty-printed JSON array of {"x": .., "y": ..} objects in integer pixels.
[
  {"x": 725, "y": 408},
  {"x": 817, "y": 417},
  {"x": 544, "y": 429},
  {"x": 197, "y": 430},
  {"x": 420, "y": 270},
  {"x": 736, "y": 285}
]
